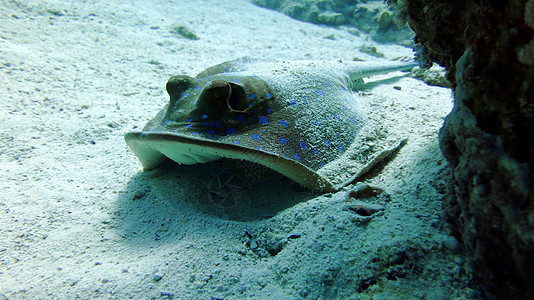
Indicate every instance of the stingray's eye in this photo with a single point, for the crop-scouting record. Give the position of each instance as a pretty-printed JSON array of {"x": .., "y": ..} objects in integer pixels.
[{"x": 179, "y": 84}]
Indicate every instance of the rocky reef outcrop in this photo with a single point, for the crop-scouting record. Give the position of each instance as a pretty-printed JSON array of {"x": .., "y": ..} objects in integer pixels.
[
  {"x": 487, "y": 47},
  {"x": 374, "y": 17}
]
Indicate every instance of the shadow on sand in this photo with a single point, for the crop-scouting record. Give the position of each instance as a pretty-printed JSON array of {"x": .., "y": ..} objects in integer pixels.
[{"x": 225, "y": 190}]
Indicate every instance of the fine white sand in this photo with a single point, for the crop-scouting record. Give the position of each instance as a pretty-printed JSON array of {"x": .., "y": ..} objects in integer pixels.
[{"x": 80, "y": 219}]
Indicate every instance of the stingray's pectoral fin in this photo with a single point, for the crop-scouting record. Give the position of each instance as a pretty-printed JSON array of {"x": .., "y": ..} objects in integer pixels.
[
  {"x": 383, "y": 156},
  {"x": 149, "y": 157},
  {"x": 154, "y": 148}
]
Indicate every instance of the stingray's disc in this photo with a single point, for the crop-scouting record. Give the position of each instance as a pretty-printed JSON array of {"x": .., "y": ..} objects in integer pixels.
[{"x": 298, "y": 118}]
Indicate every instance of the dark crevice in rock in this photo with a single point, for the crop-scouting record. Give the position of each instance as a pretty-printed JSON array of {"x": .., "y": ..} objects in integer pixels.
[{"x": 487, "y": 47}]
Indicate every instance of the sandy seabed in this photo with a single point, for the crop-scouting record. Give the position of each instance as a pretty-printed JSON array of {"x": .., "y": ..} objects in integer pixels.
[{"x": 80, "y": 219}]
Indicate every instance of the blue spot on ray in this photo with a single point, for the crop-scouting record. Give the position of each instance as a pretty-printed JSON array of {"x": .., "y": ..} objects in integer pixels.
[
  {"x": 263, "y": 120},
  {"x": 236, "y": 142},
  {"x": 320, "y": 93},
  {"x": 211, "y": 131},
  {"x": 297, "y": 157},
  {"x": 230, "y": 131},
  {"x": 341, "y": 148},
  {"x": 315, "y": 150},
  {"x": 269, "y": 96},
  {"x": 188, "y": 125},
  {"x": 252, "y": 96},
  {"x": 204, "y": 117},
  {"x": 256, "y": 137},
  {"x": 327, "y": 143},
  {"x": 284, "y": 123},
  {"x": 303, "y": 145},
  {"x": 268, "y": 110},
  {"x": 283, "y": 140},
  {"x": 196, "y": 88}
]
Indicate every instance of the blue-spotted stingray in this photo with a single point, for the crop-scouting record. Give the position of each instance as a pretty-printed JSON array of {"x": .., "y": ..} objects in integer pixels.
[{"x": 299, "y": 118}]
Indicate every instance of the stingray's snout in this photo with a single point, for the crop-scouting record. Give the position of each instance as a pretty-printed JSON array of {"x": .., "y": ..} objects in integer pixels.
[{"x": 179, "y": 84}]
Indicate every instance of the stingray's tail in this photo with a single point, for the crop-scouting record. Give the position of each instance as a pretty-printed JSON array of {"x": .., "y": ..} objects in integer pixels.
[{"x": 359, "y": 69}]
